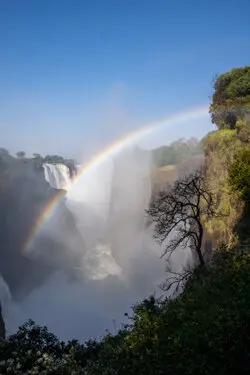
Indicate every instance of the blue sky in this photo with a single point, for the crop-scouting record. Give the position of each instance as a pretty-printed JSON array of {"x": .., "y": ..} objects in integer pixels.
[{"x": 77, "y": 73}]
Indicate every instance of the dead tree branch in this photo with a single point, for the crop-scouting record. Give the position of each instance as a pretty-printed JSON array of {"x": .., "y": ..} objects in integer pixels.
[{"x": 178, "y": 213}]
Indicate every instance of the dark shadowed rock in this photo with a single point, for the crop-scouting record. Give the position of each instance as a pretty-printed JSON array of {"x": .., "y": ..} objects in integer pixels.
[{"x": 23, "y": 197}]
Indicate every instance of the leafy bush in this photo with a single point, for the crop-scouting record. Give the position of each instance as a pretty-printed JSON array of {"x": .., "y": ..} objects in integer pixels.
[
  {"x": 203, "y": 331},
  {"x": 231, "y": 98},
  {"x": 239, "y": 174}
]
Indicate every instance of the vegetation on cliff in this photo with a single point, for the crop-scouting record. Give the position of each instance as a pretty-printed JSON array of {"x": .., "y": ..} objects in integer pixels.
[
  {"x": 226, "y": 162},
  {"x": 176, "y": 152},
  {"x": 231, "y": 98},
  {"x": 39, "y": 160}
]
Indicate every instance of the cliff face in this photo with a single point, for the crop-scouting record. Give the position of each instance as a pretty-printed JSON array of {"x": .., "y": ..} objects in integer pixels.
[
  {"x": 220, "y": 148},
  {"x": 24, "y": 195},
  {"x": 2, "y": 325}
]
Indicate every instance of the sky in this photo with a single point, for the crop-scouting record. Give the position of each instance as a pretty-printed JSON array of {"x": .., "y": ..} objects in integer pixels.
[{"x": 76, "y": 74}]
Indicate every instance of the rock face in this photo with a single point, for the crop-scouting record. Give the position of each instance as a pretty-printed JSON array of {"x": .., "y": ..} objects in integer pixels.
[
  {"x": 24, "y": 194},
  {"x": 2, "y": 325},
  {"x": 5, "y": 297}
]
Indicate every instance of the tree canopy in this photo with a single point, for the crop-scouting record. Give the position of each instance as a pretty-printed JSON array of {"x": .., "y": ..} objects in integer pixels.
[
  {"x": 176, "y": 152},
  {"x": 231, "y": 97}
]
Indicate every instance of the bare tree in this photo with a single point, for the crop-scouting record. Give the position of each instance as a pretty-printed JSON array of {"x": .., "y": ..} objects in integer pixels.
[
  {"x": 178, "y": 213},
  {"x": 176, "y": 280}
]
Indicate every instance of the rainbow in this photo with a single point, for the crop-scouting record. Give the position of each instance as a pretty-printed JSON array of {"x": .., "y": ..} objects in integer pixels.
[{"x": 110, "y": 151}]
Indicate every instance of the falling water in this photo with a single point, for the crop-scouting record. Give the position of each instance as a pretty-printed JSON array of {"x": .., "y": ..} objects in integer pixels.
[{"x": 57, "y": 175}]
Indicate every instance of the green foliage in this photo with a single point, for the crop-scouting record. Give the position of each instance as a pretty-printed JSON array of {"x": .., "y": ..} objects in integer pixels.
[
  {"x": 38, "y": 160},
  {"x": 176, "y": 152},
  {"x": 239, "y": 174},
  {"x": 243, "y": 131},
  {"x": 53, "y": 159},
  {"x": 231, "y": 98},
  {"x": 34, "y": 350},
  {"x": 203, "y": 331},
  {"x": 217, "y": 140},
  {"x": 219, "y": 148},
  {"x": 56, "y": 159},
  {"x": 239, "y": 183}
]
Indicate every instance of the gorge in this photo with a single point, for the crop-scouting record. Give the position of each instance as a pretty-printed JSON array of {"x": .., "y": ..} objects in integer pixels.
[{"x": 90, "y": 258}]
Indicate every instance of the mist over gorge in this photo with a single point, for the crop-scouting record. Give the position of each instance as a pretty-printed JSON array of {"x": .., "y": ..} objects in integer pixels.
[
  {"x": 90, "y": 259},
  {"x": 93, "y": 253}
]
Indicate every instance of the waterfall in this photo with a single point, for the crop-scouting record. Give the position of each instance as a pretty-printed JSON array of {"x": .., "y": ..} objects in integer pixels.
[{"x": 57, "y": 175}]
